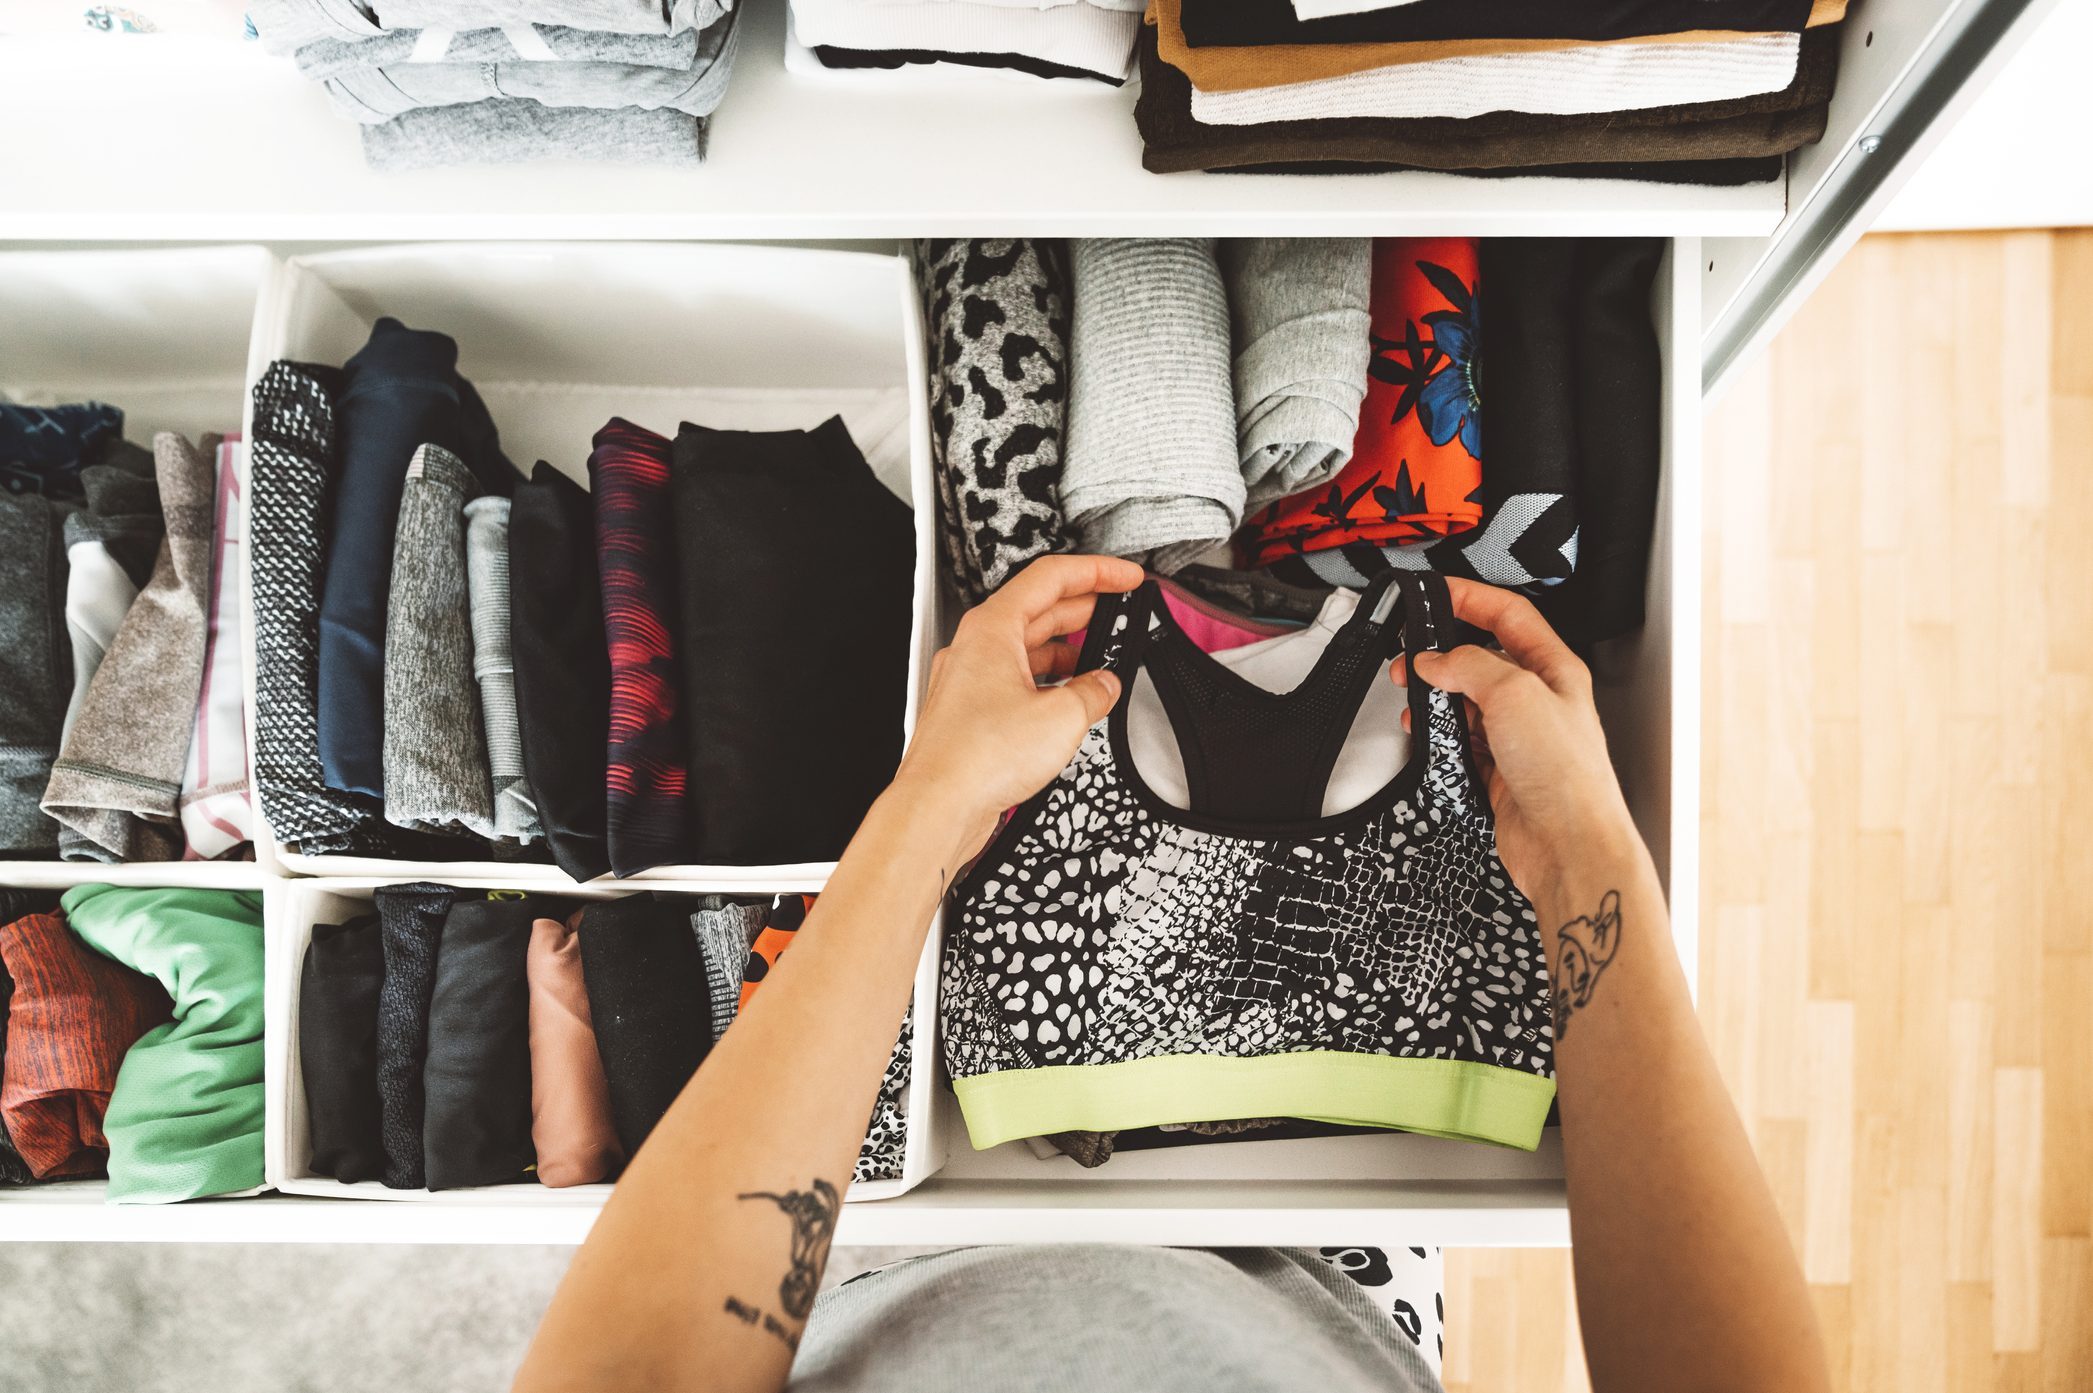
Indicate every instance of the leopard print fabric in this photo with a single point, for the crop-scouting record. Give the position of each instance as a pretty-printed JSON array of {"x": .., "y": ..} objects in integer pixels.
[
  {"x": 885, "y": 1146},
  {"x": 996, "y": 314},
  {"x": 1097, "y": 931}
]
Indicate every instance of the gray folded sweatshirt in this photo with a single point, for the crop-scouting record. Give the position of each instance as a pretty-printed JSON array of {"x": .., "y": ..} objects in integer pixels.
[
  {"x": 36, "y": 666},
  {"x": 325, "y": 58},
  {"x": 287, "y": 25},
  {"x": 494, "y": 666},
  {"x": 1298, "y": 306},
  {"x": 373, "y": 94},
  {"x": 1150, "y": 467},
  {"x": 515, "y": 132},
  {"x": 435, "y": 749},
  {"x": 118, "y": 780}
]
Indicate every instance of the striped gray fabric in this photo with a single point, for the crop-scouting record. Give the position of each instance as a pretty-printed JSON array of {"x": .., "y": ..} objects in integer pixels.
[
  {"x": 724, "y": 935},
  {"x": 487, "y": 584}
]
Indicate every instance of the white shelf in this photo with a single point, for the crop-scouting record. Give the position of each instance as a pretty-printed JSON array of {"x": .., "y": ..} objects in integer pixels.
[{"x": 175, "y": 139}]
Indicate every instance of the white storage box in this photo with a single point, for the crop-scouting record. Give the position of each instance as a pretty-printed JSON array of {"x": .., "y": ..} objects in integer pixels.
[
  {"x": 558, "y": 338},
  {"x": 163, "y": 334},
  {"x": 295, "y": 906}
]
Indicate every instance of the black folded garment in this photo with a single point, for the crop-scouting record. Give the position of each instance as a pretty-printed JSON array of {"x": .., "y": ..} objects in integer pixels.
[
  {"x": 650, "y": 1005},
  {"x": 338, "y": 991},
  {"x": 1252, "y": 23},
  {"x": 477, "y": 1119},
  {"x": 562, "y": 665},
  {"x": 410, "y": 924},
  {"x": 896, "y": 58},
  {"x": 1706, "y": 173},
  {"x": 796, "y": 569}
]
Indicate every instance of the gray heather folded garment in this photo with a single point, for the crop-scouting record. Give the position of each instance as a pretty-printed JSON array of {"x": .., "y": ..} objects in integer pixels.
[
  {"x": 493, "y": 664},
  {"x": 118, "y": 781},
  {"x": 724, "y": 935},
  {"x": 374, "y": 94},
  {"x": 435, "y": 749},
  {"x": 36, "y": 666},
  {"x": 1299, "y": 306},
  {"x": 1150, "y": 467},
  {"x": 287, "y": 25},
  {"x": 327, "y": 58},
  {"x": 514, "y": 132}
]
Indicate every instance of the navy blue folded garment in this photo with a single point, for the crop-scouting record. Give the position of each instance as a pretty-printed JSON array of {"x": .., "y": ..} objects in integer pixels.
[
  {"x": 44, "y": 448},
  {"x": 400, "y": 392}
]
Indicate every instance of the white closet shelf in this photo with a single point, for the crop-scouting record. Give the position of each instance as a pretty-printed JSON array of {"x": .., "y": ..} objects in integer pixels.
[{"x": 258, "y": 154}]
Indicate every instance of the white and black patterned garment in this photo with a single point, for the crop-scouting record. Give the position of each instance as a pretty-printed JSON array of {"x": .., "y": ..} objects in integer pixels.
[
  {"x": 995, "y": 315},
  {"x": 886, "y": 1140},
  {"x": 1104, "y": 926}
]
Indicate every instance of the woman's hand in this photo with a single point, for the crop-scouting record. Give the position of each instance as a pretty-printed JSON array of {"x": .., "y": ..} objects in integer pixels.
[
  {"x": 1540, "y": 744},
  {"x": 989, "y": 736}
]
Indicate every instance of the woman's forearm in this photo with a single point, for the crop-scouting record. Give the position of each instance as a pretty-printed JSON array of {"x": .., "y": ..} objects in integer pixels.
[
  {"x": 702, "y": 1269},
  {"x": 1685, "y": 1277}
]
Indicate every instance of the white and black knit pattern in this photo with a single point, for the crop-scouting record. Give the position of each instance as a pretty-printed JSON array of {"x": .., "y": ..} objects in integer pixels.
[
  {"x": 886, "y": 1140},
  {"x": 1098, "y": 930},
  {"x": 995, "y": 314},
  {"x": 291, "y": 463}
]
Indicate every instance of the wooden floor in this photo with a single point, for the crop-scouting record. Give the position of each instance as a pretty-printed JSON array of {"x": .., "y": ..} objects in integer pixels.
[{"x": 1897, "y": 911}]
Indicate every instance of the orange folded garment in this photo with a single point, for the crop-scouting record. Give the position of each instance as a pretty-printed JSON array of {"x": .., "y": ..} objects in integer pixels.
[{"x": 1274, "y": 65}]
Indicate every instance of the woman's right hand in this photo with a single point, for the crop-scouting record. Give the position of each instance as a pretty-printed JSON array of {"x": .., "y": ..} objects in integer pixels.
[{"x": 1540, "y": 745}]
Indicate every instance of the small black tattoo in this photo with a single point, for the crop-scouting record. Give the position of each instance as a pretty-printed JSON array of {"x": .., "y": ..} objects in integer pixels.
[
  {"x": 813, "y": 1215},
  {"x": 741, "y": 1311},
  {"x": 777, "y": 1327},
  {"x": 1586, "y": 947}
]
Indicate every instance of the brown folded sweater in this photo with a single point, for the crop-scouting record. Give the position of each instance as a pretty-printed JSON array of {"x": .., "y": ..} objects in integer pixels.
[
  {"x": 1273, "y": 65},
  {"x": 1742, "y": 128}
]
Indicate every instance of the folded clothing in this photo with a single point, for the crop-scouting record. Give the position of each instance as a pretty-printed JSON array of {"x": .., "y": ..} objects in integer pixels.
[
  {"x": 724, "y": 934},
  {"x": 519, "y": 131},
  {"x": 571, "y": 1127},
  {"x": 374, "y": 93},
  {"x": 217, "y": 804},
  {"x": 1770, "y": 169},
  {"x": 338, "y": 987},
  {"x": 410, "y": 925},
  {"x": 110, "y": 546},
  {"x": 400, "y": 392},
  {"x": 1298, "y": 307},
  {"x": 286, "y": 25},
  {"x": 493, "y": 667},
  {"x": 70, "y": 1019},
  {"x": 1150, "y": 343},
  {"x": 1242, "y": 23},
  {"x": 648, "y": 1003},
  {"x": 185, "y": 1114},
  {"x": 44, "y": 448},
  {"x": 35, "y": 666},
  {"x": 476, "y": 1123},
  {"x": 648, "y": 776},
  {"x": 118, "y": 781},
  {"x": 1082, "y": 36},
  {"x": 435, "y": 750},
  {"x": 995, "y": 312},
  {"x": 1174, "y": 141},
  {"x": 1416, "y": 470},
  {"x": 326, "y": 58},
  {"x": 781, "y": 925},
  {"x": 793, "y": 695},
  {"x": 562, "y": 665},
  {"x": 913, "y": 59}
]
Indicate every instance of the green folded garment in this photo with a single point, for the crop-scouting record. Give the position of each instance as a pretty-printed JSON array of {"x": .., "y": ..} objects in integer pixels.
[{"x": 185, "y": 1118}]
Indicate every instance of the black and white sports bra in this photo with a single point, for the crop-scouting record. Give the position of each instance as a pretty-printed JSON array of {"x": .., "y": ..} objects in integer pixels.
[{"x": 1115, "y": 962}]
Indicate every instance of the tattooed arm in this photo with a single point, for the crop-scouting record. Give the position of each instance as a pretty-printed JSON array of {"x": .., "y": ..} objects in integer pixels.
[
  {"x": 702, "y": 1270},
  {"x": 1685, "y": 1277}
]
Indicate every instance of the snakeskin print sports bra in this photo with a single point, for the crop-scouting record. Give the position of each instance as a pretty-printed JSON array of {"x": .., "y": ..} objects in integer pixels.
[{"x": 1114, "y": 962}]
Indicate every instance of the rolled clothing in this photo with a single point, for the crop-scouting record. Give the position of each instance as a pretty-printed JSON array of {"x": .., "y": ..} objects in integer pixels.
[
  {"x": 1149, "y": 345},
  {"x": 371, "y": 94},
  {"x": 43, "y": 449},
  {"x": 435, "y": 757},
  {"x": 995, "y": 313},
  {"x": 338, "y": 987},
  {"x": 410, "y": 927},
  {"x": 110, "y": 546},
  {"x": 562, "y": 666},
  {"x": 185, "y": 1115},
  {"x": 13, "y": 905},
  {"x": 793, "y": 696},
  {"x": 1298, "y": 312},
  {"x": 648, "y": 1003},
  {"x": 648, "y": 763},
  {"x": 217, "y": 804},
  {"x": 520, "y": 131},
  {"x": 118, "y": 780},
  {"x": 571, "y": 1127},
  {"x": 329, "y": 58},
  {"x": 724, "y": 934},
  {"x": 70, "y": 1019},
  {"x": 286, "y": 25},
  {"x": 401, "y": 391},
  {"x": 36, "y": 666},
  {"x": 294, "y": 466},
  {"x": 493, "y": 667},
  {"x": 1086, "y": 37},
  {"x": 476, "y": 1127}
]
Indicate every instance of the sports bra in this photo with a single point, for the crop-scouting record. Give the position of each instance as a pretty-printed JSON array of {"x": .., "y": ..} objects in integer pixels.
[{"x": 1113, "y": 962}]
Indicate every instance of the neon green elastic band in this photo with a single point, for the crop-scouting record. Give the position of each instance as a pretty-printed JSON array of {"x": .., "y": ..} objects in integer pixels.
[{"x": 1440, "y": 1097}]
